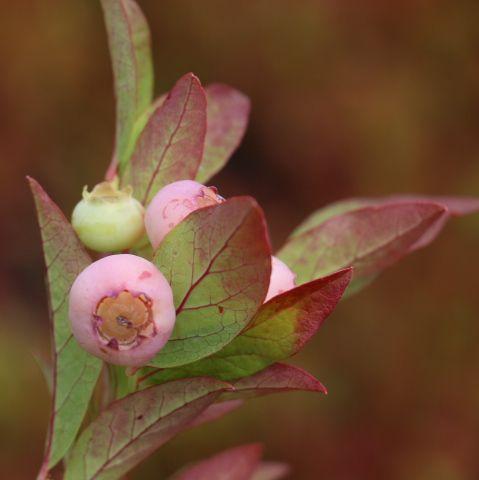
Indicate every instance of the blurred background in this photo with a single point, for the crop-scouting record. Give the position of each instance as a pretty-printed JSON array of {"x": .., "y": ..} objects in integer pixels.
[{"x": 349, "y": 98}]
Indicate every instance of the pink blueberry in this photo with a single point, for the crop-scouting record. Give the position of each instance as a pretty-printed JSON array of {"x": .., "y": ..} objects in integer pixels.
[
  {"x": 121, "y": 309},
  {"x": 173, "y": 203},
  {"x": 282, "y": 278}
]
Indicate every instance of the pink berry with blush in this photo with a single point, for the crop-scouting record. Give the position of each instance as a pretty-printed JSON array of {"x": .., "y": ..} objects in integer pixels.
[
  {"x": 282, "y": 278},
  {"x": 121, "y": 310},
  {"x": 175, "y": 202}
]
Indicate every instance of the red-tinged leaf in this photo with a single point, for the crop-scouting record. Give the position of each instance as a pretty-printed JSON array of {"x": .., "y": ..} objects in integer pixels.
[
  {"x": 218, "y": 262},
  {"x": 129, "y": 41},
  {"x": 275, "y": 379},
  {"x": 132, "y": 428},
  {"x": 227, "y": 112},
  {"x": 280, "y": 329},
  {"x": 320, "y": 216},
  {"x": 455, "y": 206},
  {"x": 227, "y": 118},
  {"x": 271, "y": 471},
  {"x": 239, "y": 463},
  {"x": 369, "y": 238},
  {"x": 216, "y": 411},
  {"x": 75, "y": 372},
  {"x": 170, "y": 147}
]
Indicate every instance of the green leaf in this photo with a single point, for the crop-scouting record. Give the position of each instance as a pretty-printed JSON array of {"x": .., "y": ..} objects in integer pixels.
[
  {"x": 129, "y": 41},
  {"x": 121, "y": 381},
  {"x": 75, "y": 372},
  {"x": 132, "y": 428},
  {"x": 237, "y": 463},
  {"x": 170, "y": 147},
  {"x": 218, "y": 262},
  {"x": 369, "y": 238},
  {"x": 280, "y": 329},
  {"x": 228, "y": 112}
]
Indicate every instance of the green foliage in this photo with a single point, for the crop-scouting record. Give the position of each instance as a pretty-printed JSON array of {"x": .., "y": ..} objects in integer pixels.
[
  {"x": 218, "y": 263},
  {"x": 170, "y": 147},
  {"x": 75, "y": 372},
  {"x": 369, "y": 239},
  {"x": 281, "y": 328},
  {"x": 218, "y": 274},
  {"x": 129, "y": 41},
  {"x": 132, "y": 428}
]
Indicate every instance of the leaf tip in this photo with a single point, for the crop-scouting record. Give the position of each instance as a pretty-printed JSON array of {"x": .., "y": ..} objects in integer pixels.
[
  {"x": 37, "y": 191},
  {"x": 343, "y": 277},
  {"x": 192, "y": 77},
  {"x": 31, "y": 181}
]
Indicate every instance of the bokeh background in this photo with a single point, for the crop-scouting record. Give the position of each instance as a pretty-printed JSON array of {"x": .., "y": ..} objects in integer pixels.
[{"x": 349, "y": 98}]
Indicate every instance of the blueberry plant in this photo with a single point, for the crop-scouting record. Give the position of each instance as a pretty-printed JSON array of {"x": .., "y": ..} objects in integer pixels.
[{"x": 167, "y": 306}]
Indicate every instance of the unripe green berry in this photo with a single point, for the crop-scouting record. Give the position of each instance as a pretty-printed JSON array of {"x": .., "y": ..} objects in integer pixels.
[{"x": 108, "y": 219}]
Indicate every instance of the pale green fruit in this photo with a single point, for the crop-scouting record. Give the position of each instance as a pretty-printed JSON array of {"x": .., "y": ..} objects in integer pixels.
[{"x": 108, "y": 219}]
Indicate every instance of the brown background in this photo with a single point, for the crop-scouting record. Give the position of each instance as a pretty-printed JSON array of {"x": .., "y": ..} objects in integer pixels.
[{"x": 349, "y": 98}]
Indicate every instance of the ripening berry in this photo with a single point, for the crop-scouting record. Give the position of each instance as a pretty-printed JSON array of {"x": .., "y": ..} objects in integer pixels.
[
  {"x": 173, "y": 203},
  {"x": 282, "y": 278},
  {"x": 121, "y": 309},
  {"x": 108, "y": 219}
]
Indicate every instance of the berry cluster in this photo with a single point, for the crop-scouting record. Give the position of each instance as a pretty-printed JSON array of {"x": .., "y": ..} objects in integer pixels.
[{"x": 121, "y": 306}]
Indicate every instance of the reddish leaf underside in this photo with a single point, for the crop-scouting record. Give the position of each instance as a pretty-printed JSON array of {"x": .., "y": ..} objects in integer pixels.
[
  {"x": 278, "y": 377},
  {"x": 239, "y": 463},
  {"x": 75, "y": 372},
  {"x": 130, "y": 50},
  {"x": 218, "y": 274},
  {"x": 132, "y": 428},
  {"x": 271, "y": 471},
  {"x": 368, "y": 238},
  {"x": 227, "y": 113},
  {"x": 216, "y": 411},
  {"x": 280, "y": 329},
  {"x": 456, "y": 207},
  {"x": 170, "y": 147}
]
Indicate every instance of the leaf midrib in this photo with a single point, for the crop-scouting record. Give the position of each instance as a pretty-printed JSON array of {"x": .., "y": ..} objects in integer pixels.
[{"x": 170, "y": 142}]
